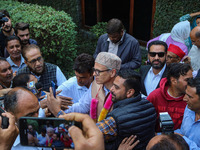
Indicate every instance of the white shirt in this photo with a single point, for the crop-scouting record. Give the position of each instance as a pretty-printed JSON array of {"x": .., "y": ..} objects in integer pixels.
[
  {"x": 83, "y": 106},
  {"x": 151, "y": 81},
  {"x": 194, "y": 54},
  {"x": 113, "y": 47},
  {"x": 70, "y": 88}
]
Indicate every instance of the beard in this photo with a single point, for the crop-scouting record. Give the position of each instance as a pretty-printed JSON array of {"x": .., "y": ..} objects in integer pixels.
[
  {"x": 36, "y": 72},
  {"x": 159, "y": 65},
  {"x": 25, "y": 42},
  {"x": 7, "y": 31}
]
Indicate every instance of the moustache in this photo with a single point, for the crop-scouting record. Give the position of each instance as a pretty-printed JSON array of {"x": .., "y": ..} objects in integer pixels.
[{"x": 156, "y": 60}]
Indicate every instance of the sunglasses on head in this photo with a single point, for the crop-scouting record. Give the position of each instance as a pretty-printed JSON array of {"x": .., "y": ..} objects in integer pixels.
[{"x": 160, "y": 54}]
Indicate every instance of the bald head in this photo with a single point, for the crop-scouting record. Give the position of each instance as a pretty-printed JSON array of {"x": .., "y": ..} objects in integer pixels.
[
  {"x": 21, "y": 102},
  {"x": 195, "y": 36},
  {"x": 163, "y": 142}
]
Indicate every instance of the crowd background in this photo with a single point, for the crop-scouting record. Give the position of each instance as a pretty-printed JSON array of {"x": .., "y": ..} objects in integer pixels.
[{"x": 82, "y": 41}]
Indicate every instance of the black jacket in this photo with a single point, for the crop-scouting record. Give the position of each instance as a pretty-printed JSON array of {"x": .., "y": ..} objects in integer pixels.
[
  {"x": 143, "y": 72},
  {"x": 133, "y": 116}
]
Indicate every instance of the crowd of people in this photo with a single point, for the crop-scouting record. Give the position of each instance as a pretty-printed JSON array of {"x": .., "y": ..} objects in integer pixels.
[{"x": 119, "y": 107}]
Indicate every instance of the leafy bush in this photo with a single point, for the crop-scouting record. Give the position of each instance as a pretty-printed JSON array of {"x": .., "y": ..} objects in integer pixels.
[
  {"x": 53, "y": 30},
  {"x": 99, "y": 29}
]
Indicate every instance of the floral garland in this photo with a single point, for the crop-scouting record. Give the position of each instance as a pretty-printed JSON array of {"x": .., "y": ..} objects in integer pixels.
[
  {"x": 104, "y": 111},
  {"x": 106, "y": 108}
]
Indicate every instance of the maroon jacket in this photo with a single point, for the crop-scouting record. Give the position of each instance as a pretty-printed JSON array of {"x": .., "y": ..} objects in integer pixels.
[{"x": 163, "y": 102}]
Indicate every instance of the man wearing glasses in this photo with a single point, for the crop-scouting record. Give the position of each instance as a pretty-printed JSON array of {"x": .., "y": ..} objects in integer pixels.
[
  {"x": 44, "y": 72},
  {"x": 105, "y": 69},
  {"x": 174, "y": 54},
  {"x": 152, "y": 74}
]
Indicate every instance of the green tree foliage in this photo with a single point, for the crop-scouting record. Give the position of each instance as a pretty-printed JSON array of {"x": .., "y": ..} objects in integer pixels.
[
  {"x": 168, "y": 13},
  {"x": 53, "y": 30}
]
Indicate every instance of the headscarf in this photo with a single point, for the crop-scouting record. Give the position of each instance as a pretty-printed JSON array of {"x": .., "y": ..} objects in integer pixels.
[
  {"x": 194, "y": 24},
  {"x": 181, "y": 31}
]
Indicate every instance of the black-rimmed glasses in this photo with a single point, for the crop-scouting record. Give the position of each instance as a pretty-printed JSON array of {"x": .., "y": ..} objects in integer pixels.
[
  {"x": 99, "y": 71},
  {"x": 39, "y": 59}
]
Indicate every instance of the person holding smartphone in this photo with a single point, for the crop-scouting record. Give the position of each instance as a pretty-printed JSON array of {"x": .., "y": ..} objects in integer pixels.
[{"x": 8, "y": 135}]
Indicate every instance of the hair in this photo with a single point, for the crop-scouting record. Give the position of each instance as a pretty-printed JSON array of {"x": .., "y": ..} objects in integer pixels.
[
  {"x": 50, "y": 129},
  {"x": 43, "y": 130},
  {"x": 10, "y": 38},
  {"x": 21, "y": 80},
  {"x": 157, "y": 42},
  {"x": 177, "y": 69},
  {"x": 84, "y": 63},
  {"x": 196, "y": 84},
  {"x": 3, "y": 59},
  {"x": 21, "y": 26},
  {"x": 171, "y": 142},
  {"x": 197, "y": 34},
  {"x": 28, "y": 48},
  {"x": 132, "y": 80},
  {"x": 11, "y": 99},
  {"x": 5, "y": 12},
  {"x": 114, "y": 26}
]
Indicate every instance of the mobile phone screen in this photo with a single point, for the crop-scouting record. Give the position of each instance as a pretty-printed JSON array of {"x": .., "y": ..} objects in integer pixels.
[{"x": 46, "y": 132}]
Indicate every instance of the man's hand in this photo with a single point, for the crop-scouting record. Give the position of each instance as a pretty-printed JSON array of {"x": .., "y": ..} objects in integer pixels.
[
  {"x": 90, "y": 137},
  {"x": 8, "y": 135},
  {"x": 53, "y": 104},
  {"x": 65, "y": 102},
  {"x": 4, "y": 91},
  {"x": 14, "y": 74},
  {"x": 128, "y": 143}
]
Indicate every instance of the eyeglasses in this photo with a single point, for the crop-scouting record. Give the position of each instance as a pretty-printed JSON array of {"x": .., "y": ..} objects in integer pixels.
[
  {"x": 39, "y": 59},
  {"x": 170, "y": 57},
  {"x": 99, "y": 71},
  {"x": 160, "y": 54}
]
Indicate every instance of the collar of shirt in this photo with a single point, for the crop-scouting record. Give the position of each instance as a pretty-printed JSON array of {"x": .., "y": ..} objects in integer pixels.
[
  {"x": 38, "y": 77},
  {"x": 84, "y": 88},
  {"x": 160, "y": 73},
  {"x": 106, "y": 90},
  {"x": 13, "y": 64},
  {"x": 17, "y": 141},
  {"x": 119, "y": 41}
]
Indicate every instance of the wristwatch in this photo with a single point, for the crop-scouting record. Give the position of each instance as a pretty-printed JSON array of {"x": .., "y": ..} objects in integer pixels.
[{"x": 60, "y": 113}]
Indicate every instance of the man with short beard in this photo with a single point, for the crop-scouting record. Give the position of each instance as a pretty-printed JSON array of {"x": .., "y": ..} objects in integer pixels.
[
  {"x": 6, "y": 30},
  {"x": 152, "y": 74},
  {"x": 44, "y": 72},
  {"x": 22, "y": 31}
]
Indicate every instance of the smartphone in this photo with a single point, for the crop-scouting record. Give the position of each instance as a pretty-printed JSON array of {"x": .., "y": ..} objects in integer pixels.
[
  {"x": 4, "y": 121},
  {"x": 53, "y": 85},
  {"x": 46, "y": 132}
]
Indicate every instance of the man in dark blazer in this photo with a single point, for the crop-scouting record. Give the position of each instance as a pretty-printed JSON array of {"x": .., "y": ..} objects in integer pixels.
[
  {"x": 120, "y": 43},
  {"x": 153, "y": 73}
]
